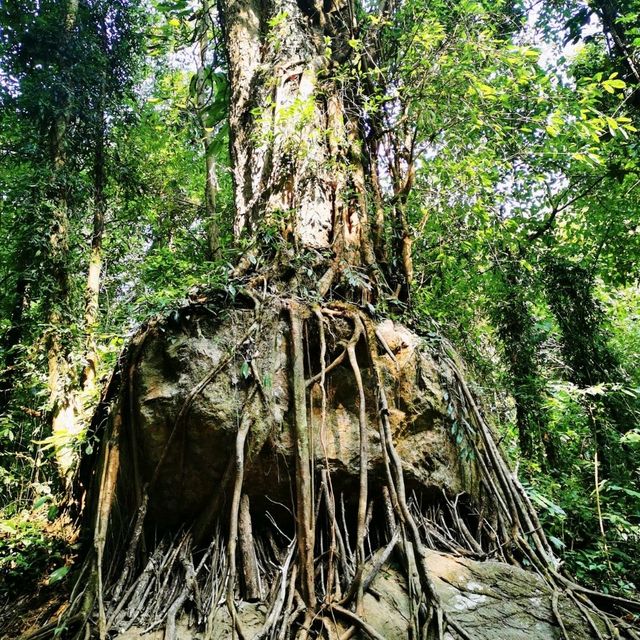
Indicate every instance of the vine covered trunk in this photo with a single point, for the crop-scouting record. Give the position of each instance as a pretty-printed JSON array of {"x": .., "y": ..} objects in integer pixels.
[{"x": 296, "y": 138}]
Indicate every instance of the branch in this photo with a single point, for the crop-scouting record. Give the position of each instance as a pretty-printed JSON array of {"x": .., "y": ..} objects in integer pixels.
[{"x": 559, "y": 208}]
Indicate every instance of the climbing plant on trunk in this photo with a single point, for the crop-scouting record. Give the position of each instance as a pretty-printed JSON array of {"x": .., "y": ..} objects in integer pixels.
[{"x": 296, "y": 137}]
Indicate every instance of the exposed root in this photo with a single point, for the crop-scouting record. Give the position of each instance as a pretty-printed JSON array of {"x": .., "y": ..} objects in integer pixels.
[
  {"x": 364, "y": 463},
  {"x": 312, "y": 583},
  {"x": 359, "y": 622}
]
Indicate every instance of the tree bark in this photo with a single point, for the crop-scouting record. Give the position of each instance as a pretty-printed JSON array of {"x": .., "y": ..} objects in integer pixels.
[
  {"x": 250, "y": 569},
  {"x": 203, "y": 100},
  {"x": 297, "y": 156},
  {"x": 64, "y": 423},
  {"x": 608, "y": 13},
  {"x": 92, "y": 290}
]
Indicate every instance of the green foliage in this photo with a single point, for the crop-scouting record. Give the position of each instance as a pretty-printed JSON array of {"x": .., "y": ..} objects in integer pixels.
[
  {"x": 524, "y": 166},
  {"x": 33, "y": 553}
]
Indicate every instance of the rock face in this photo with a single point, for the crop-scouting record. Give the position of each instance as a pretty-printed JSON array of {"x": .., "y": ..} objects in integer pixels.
[
  {"x": 493, "y": 600},
  {"x": 240, "y": 368}
]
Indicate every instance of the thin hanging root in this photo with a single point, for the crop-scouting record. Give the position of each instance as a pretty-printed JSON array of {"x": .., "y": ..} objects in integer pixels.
[
  {"x": 335, "y": 529},
  {"x": 474, "y": 546},
  {"x": 160, "y": 562},
  {"x": 304, "y": 498},
  {"x": 218, "y": 572},
  {"x": 307, "y": 623},
  {"x": 381, "y": 559},
  {"x": 397, "y": 487},
  {"x": 287, "y": 615},
  {"x": 520, "y": 508},
  {"x": 336, "y": 544},
  {"x": 250, "y": 570},
  {"x": 397, "y": 477},
  {"x": 130, "y": 594},
  {"x": 241, "y": 438},
  {"x": 364, "y": 462},
  {"x": 133, "y": 547},
  {"x": 339, "y": 359},
  {"x": 540, "y": 553},
  {"x": 106, "y": 498},
  {"x": 279, "y": 594},
  {"x": 385, "y": 346},
  {"x": 189, "y": 586}
]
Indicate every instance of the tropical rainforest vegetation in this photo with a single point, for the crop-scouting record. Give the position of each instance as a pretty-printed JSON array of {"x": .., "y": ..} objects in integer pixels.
[{"x": 490, "y": 149}]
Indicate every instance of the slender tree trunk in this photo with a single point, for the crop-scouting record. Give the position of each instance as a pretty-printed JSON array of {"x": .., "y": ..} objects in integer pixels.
[
  {"x": 515, "y": 326},
  {"x": 13, "y": 337},
  {"x": 94, "y": 273},
  {"x": 92, "y": 291},
  {"x": 204, "y": 86},
  {"x": 64, "y": 421}
]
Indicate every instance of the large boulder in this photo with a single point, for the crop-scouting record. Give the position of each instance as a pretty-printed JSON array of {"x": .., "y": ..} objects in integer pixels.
[
  {"x": 197, "y": 380},
  {"x": 239, "y": 367}
]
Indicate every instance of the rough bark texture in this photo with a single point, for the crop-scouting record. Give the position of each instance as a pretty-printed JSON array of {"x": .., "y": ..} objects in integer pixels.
[{"x": 294, "y": 145}]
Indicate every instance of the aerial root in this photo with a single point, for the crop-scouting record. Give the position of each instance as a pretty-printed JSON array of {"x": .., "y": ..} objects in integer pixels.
[
  {"x": 313, "y": 578},
  {"x": 517, "y": 516}
]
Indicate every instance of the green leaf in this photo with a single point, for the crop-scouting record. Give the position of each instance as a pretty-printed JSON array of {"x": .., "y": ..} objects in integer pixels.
[
  {"x": 58, "y": 575},
  {"x": 40, "y": 501},
  {"x": 632, "y": 436},
  {"x": 618, "y": 84},
  {"x": 552, "y": 130},
  {"x": 556, "y": 542}
]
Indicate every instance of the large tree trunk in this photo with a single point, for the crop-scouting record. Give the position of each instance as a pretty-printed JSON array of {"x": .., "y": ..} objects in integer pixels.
[
  {"x": 74, "y": 394},
  {"x": 296, "y": 151},
  {"x": 88, "y": 389}
]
